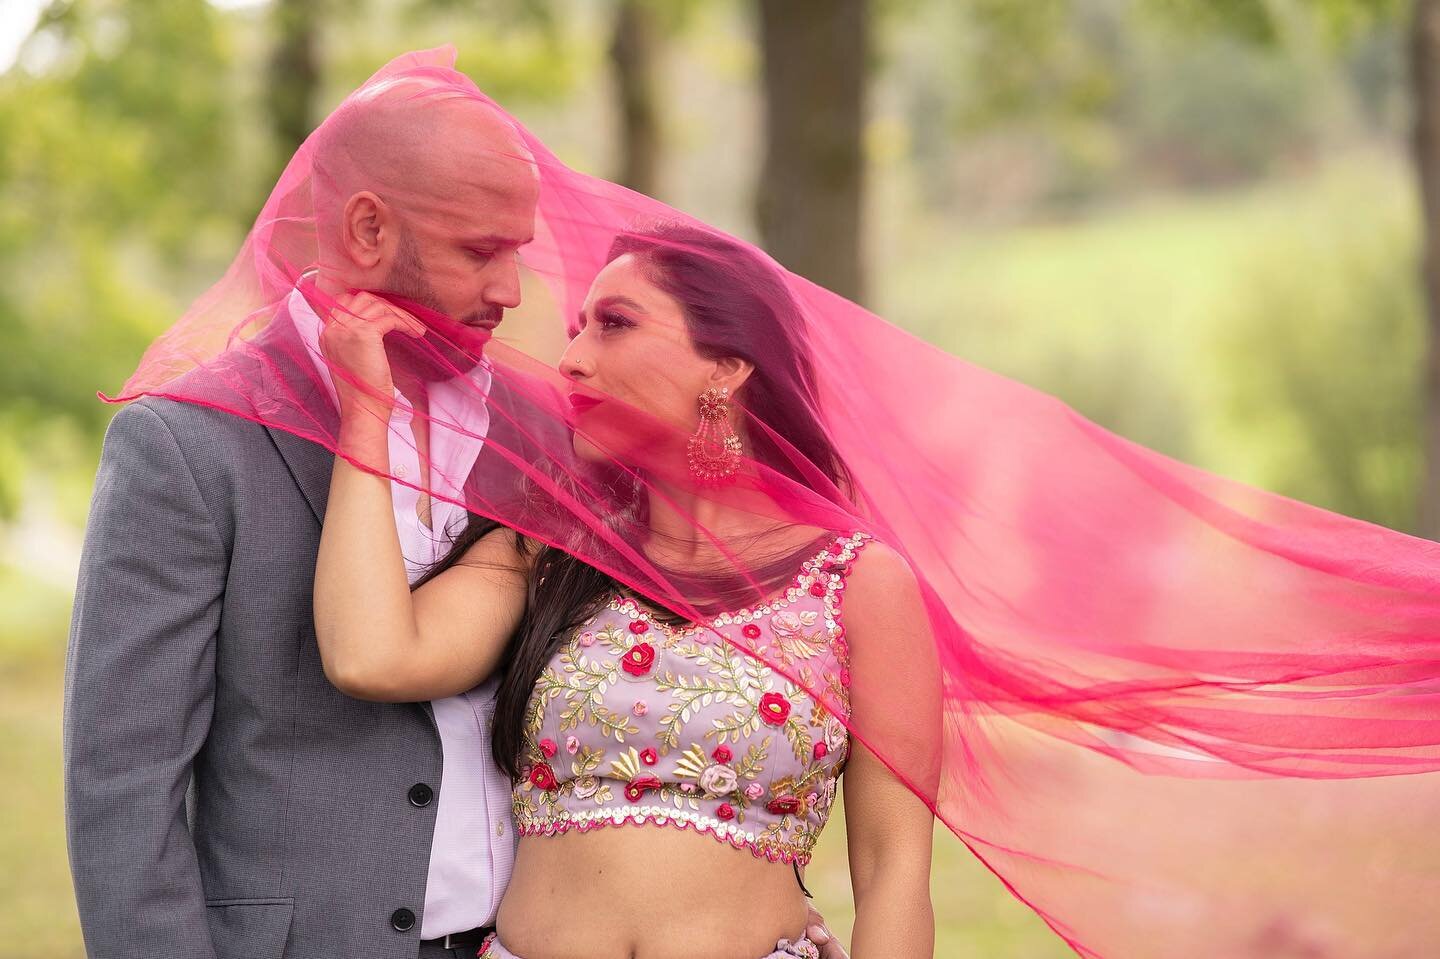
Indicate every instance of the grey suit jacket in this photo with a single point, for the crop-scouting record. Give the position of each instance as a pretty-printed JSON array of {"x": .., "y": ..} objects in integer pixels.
[{"x": 222, "y": 798}]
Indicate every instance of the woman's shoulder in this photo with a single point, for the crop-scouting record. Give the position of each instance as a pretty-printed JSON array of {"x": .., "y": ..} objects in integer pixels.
[
  {"x": 877, "y": 567},
  {"x": 882, "y": 590}
]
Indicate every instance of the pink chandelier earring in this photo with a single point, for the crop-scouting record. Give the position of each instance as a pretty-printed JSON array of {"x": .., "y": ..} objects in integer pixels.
[{"x": 714, "y": 449}]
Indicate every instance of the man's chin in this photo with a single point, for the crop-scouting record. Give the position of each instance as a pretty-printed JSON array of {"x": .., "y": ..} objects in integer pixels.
[{"x": 433, "y": 359}]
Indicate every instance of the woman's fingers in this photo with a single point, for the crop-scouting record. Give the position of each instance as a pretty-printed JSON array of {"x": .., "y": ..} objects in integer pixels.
[{"x": 365, "y": 312}]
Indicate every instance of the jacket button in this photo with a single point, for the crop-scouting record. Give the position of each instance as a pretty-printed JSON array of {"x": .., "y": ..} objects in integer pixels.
[
  {"x": 402, "y": 919},
  {"x": 421, "y": 794}
]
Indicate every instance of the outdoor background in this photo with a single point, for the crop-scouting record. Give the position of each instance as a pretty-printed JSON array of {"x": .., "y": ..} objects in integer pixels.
[{"x": 1199, "y": 222}]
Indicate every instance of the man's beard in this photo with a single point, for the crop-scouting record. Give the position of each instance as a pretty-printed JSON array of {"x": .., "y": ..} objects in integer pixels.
[{"x": 436, "y": 356}]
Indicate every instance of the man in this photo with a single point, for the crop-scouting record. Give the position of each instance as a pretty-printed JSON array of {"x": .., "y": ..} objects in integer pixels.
[{"x": 222, "y": 797}]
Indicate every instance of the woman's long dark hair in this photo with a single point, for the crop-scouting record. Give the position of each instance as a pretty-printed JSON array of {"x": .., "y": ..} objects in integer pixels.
[{"x": 735, "y": 305}]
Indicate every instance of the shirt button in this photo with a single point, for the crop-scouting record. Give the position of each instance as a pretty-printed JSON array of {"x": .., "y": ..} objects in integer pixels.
[
  {"x": 402, "y": 920},
  {"x": 421, "y": 794}
]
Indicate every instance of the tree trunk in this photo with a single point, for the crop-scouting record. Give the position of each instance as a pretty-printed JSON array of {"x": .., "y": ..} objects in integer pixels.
[
  {"x": 1425, "y": 85},
  {"x": 294, "y": 78},
  {"x": 808, "y": 200},
  {"x": 632, "y": 53}
]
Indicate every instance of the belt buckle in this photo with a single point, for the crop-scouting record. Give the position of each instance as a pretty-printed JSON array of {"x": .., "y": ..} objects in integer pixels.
[{"x": 447, "y": 941}]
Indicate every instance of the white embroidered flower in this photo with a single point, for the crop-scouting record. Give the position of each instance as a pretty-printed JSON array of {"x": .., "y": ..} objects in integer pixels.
[
  {"x": 825, "y": 794},
  {"x": 718, "y": 779},
  {"x": 789, "y": 623},
  {"x": 585, "y": 787}
]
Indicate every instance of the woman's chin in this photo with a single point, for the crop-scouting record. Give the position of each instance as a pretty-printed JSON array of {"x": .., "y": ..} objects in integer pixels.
[{"x": 585, "y": 450}]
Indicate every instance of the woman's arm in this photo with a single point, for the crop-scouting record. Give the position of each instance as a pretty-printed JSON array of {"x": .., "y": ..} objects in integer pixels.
[
  {"x": 895, "y": 703},
  {"x": 378, "y": 640}
]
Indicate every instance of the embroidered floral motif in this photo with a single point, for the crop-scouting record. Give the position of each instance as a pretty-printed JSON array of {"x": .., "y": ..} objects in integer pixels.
[
  {"x": 733, "y": 748},
  {"x": 542, "y": 775},
  {"x": 774, "y": 708},
  {"x": 636, "y": 787},
  {"x": 718, "y": 779},
  {"x": 638, "y": 658}
]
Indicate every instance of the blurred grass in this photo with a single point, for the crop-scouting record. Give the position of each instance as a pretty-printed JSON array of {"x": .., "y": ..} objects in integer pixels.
[
  {"x": 38, "y": 920},
  {"x": 1131, "y": 316}
]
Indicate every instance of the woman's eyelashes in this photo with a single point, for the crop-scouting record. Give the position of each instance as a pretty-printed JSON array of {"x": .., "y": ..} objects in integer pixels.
[
  {"x": 609, "y": 323},
  {"x": 613, "y": 321}
]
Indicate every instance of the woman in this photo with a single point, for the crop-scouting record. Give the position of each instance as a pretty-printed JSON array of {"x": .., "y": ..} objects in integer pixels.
[{"x": 599, "y": 718}]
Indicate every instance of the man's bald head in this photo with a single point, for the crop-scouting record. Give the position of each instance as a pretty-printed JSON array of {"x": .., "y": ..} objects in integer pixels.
[{"x": 415, "y": 144}]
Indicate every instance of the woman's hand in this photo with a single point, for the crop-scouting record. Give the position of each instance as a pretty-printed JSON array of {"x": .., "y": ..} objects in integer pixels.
[
  {"x": 819, "y": 933},
  {"x": 353, "y": 343}
]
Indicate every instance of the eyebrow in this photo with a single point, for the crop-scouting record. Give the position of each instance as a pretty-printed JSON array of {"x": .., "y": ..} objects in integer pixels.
[
  {"x": 620, "y": 301},
  {"x": 497, "y": 240}
]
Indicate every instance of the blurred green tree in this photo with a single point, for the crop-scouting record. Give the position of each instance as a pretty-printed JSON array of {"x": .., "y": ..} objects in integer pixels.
[
  {"x": 815, "y": 65},
  {"x": 118, "y": 180}
]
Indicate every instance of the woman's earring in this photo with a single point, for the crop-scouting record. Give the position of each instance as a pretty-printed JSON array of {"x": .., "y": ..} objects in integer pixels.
[{"x": 714, "y": 449}]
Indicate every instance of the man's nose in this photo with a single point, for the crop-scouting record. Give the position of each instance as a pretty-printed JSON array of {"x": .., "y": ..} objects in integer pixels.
[{"x": 502, "y": 287}]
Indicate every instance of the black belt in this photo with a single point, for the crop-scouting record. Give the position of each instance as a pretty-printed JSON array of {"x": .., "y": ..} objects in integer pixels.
[{"x": 470, "y": 937}]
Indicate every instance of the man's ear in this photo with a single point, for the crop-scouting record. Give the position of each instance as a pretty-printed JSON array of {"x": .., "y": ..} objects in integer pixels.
[{"x": 365, "y": 229}]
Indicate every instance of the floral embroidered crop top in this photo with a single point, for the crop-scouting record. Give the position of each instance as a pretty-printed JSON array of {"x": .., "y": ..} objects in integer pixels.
[{"x": 633, "y": 721}]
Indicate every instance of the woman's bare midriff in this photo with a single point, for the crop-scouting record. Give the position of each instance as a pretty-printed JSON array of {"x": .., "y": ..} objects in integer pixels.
[{"x": 646, "y": 892}]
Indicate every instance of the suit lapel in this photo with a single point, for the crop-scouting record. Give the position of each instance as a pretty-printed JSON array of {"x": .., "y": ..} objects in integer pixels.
[
  {"x": 309, "y": 463},
  {"x": 291, "y": 372},
  {"x": 292, "y": 379}
]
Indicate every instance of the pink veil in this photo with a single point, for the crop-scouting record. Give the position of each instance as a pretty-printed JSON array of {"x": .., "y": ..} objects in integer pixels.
[{"x": 1174, "y": 715}]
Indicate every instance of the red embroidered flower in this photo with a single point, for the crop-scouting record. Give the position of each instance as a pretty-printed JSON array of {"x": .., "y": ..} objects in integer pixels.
[
  {"x": 817, "y": 589},
  {"x": 638, "y": 659},
  {"x": 542, "y": 775},
  {"x": 774, "y": 708},
  {"x": 636, "y": 787},
  {"x": 639, "y": 626},
  {"x": 784, "y": 805},
  {"x": 725, "y": 811},
  {"x": 547, "y": 746},
  {"x": 721, "y": 753},
  {"x": 820, "y": 750},
  {"x": 648, "y": 756},
  {"x": 751, "y": 630}
]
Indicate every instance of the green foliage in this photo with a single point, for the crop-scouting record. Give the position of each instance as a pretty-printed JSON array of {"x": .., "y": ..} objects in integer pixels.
[
  {"x": 1263, "y": 21},
  {"x": 1089, "y": 98},
  {"x": 1317, "y": 372},
  {"x": 117, "y": 182}
]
